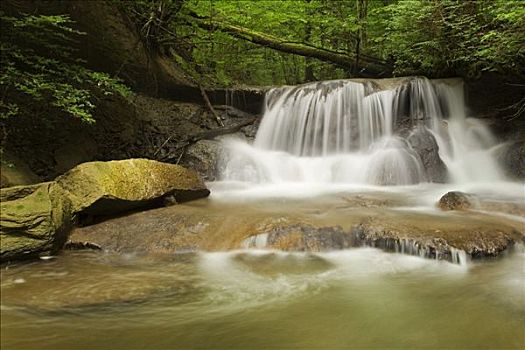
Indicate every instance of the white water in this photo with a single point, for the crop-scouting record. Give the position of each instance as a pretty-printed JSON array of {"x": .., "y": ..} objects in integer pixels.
[{"x": 335, "y": 133}]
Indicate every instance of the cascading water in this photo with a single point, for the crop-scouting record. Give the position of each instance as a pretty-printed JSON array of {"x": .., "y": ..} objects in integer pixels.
[{"x": 354, "y": 133}]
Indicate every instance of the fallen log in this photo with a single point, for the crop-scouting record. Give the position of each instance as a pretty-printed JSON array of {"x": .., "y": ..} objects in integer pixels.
[{"x": 368, "y": 66}]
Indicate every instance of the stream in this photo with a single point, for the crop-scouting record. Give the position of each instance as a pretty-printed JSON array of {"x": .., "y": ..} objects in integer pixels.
[
  {"x": 268, "y": 261},
  {"x": 257, "y": 299}
]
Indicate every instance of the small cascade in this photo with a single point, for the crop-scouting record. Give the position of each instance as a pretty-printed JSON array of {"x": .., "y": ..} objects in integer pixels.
[
  {"x": 465, "y": 144},
  {"x": 356, "y": 133},
  {"x": 400, "y": 246},
  {"x": 458, "y": 256},
  {"x": 259, "y": 241}
]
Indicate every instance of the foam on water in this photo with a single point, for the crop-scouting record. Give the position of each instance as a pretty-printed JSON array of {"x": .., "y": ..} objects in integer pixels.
[{"x": 239, "y": 276}]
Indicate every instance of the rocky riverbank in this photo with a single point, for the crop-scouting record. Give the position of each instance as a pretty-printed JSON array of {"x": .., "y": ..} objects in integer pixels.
[{"x": 35, "y": 220}]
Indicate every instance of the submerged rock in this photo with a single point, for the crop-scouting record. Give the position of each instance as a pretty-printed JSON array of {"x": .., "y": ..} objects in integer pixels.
[
  {"x": 301, "y": 237},
  {"x": 425, "y": 145},
  {"x": 35, "y": 220},
  {"x": 455, "y": 200},
  {"x": 105, "y": 188}
]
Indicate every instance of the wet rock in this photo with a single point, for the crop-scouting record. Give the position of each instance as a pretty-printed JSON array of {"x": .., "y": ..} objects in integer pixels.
[
  {"x": 455, "y": 200},
  {"x": 34, "y": 220},
  {"x": 391, "y": 240},
  {"x": 454, "y": 246},
  {"x": 425, "y": 145},
  {"x": 105, "y": 188},
  {"x": 317, "y": 225},
  {"x": 81, "y": 246},
  {"x": 203, "y": 156},
  {"x": 301, "y": 237},
  {"x": 512, "y": 160},
  {"x": 250, "y": 131}
]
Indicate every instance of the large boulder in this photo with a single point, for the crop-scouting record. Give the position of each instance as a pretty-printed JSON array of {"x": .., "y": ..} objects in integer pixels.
[
  {"x": 425, "y": 145},
  {"x": 35, "y": 220},
  {"x": 106, "y": 188}
]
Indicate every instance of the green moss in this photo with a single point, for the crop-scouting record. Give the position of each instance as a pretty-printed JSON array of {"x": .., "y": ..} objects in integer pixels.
[
  {"x": 134, "y": 180},
  {"x": 33, "y": 220}
]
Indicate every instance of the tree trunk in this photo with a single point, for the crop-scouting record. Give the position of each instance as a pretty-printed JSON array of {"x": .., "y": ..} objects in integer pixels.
[
  {"x": 361, "y": 15},
  {"x": 308, "y": 64}
]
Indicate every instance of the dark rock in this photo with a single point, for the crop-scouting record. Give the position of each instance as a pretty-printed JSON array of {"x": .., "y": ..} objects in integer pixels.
[
  {"x": 14, "y": 172},
  {"x": 81, "y": 246},
  {"x": 512, "y": 159},
  {"x": 250, "y": 131},
  {"x": 455, "y": 200},
  {"x": 204, "y": 156},
  {"x": 425, "y": 145}
]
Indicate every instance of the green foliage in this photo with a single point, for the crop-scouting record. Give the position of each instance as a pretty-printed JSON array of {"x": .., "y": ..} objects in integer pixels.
[
  {"x": 435, "y": 38},
  {"x": 233, "y": 61},
  {"x": 37, "y": 59},
  {"x": 447, "y": 37}
]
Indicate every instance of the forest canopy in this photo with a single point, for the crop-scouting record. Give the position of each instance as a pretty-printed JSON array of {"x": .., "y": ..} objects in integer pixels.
[{"x": 276, "y": 42}]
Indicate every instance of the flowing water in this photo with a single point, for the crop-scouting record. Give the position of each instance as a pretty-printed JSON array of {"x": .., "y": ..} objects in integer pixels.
[
  {"x": 250, "y": 299},
  {"x": 318, "y": 147},
  {"x": 345, "y": 132}
]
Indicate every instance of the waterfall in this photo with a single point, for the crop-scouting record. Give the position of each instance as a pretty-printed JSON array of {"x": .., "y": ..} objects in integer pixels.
[{"x": 357, "y": 132}]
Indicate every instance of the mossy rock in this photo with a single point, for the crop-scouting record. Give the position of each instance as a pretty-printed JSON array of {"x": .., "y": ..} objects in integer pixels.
[
  {"x": 106, "y": 188},
  {"x": 35, "y": 220}
]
